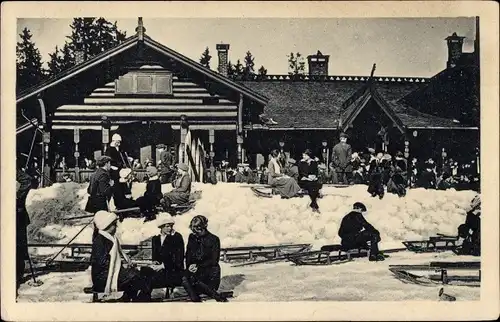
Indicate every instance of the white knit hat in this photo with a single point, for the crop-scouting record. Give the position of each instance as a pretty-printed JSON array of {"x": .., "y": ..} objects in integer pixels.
[
  {"x": 125, "y": 172},
  {"x": 163, "y": 219},
  {"x": 103, "y": 219},
  {"x": 116, "y": 137}
]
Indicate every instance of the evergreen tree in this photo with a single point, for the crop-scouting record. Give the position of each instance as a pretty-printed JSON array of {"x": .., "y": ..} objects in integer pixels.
[
  {"x": 262, "y": 71},
  {"x": 29, "y": 70},
  {"x": 90, "y": 35},
  {"x": 248, "y": 70},
  {"x": 205, "y": 58},
  {"x": 238, "y": 70},
  {"x": 296, "y": 64},
  {"x": 230, "y": 70}
]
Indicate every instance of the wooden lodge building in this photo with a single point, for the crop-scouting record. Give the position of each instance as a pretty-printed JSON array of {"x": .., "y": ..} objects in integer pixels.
[{"x": 141, "y": 88}]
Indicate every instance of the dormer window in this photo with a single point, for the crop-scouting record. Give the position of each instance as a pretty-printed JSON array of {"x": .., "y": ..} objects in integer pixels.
[{"x": 145, "y": 82}]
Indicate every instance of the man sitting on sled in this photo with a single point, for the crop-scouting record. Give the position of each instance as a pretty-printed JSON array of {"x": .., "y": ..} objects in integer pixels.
[
  {"x": 182, "y": 188},
  {"x": 108, "y": 274},
  {"x": 470, "y": 231},
  {"x": 356, "y": 232}
]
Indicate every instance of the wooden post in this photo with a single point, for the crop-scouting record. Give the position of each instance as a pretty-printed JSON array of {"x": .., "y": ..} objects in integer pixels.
[
  {"x": 239, "y": 141},
  {"x": 239, "y": 133},
  {"x": 44, "y": 180},
  {"x": 184, "y": 126},
  {"x": 105, "y": 126},
  {"x": 211, "y": 140},
  {"x": 76, "y": 139}
]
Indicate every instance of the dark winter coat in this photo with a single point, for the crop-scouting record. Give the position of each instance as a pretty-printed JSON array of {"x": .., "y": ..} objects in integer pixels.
[
  {"x": 99, "y": 190},
  {"x": 120, "y": 192},
  {"x": 117, "y": 160},
  {"x": 21, "y": 195},
  {"x": 341, "y": 157},
  {"x": 204, "y": 251},
  {"x": 100, "y": 259},
  {"x": 306, "y": 169},
  {"x": 427, "y": 180},
  {"x": 170, "y": 253},
  {"x": 352, "y": 224}
]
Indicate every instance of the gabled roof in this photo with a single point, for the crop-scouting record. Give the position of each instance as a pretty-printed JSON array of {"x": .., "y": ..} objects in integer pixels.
[
  {"x": 304, "y": 104},
  {"x": 129, "y": 43}
]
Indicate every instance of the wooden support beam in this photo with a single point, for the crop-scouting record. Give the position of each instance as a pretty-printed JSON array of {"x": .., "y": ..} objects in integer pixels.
[
  {"x": 76, "y": 139},
  {"x": 211, "y": 140}
]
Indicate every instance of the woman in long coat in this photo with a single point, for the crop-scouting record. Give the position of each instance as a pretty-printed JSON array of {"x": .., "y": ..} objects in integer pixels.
[
  {"x": 286, "y": 186},
  {"x": 182, "y": 188}
]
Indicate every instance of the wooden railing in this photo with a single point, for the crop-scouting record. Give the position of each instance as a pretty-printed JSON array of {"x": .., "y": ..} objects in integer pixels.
[{"x": 83, "y": 175}]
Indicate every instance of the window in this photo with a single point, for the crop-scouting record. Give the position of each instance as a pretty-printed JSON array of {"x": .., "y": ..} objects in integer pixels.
[{"x": 144, "y": 83}]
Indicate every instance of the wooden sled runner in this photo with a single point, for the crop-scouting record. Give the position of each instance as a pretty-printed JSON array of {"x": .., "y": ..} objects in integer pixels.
[
  {"x": 438, "y": 243},
  {"x": 325, "y": 256},
  {"x": 170, "y": 296},
  {"x": 436, "y": 273},
  {"x": 269, "y": 253}
]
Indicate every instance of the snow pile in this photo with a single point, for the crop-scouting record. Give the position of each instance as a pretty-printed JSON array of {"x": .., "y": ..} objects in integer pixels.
[{"x": 240, "y": 218}]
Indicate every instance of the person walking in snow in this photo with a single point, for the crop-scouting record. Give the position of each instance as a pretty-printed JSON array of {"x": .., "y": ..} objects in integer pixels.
[{"x": 355, "y": 232}]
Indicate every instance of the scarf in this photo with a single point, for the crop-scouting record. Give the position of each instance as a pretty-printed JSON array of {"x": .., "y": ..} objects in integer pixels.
[
  {"x": 115, "y": 263},
  {"x": 277, "y": 168}
]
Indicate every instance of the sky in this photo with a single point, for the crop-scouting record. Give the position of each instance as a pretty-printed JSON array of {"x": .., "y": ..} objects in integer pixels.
[{"x": 399, "y": 46}]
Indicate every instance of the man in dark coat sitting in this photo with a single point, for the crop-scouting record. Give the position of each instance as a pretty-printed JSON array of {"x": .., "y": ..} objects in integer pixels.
[
  {"x": 356, "y": 232},
  {"x": 108, "y": 273},
  {"x": 23, "y": 187},
  {"x": 202, "y": 257}
]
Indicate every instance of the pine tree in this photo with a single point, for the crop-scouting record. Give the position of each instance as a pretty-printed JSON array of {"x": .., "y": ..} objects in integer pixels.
[
  {"x": 29, "y": 70},
  {"x": 238, "y": 70},
  {"x": 262, "y": 71},
  {"x": 90, "y": 35},
  {"x": 230, "y": 70},
  {"x": 248, "y": 70},
  {"x": 296, "y": 64},
  {"x": 205, "y": 58}
]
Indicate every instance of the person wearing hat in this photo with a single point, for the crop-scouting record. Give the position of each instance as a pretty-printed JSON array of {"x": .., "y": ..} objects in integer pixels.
[
  {"x": 122, "y": 190},
  {"x": 341, "y": 159},
  {"x": 396, "y": 183},
  {"x": 100, "y": 186},
  {"x": 181, "y": 188},
  {"x": 118, "y": 160},
  {"x": 292, "y": 170},
  {"x": 355, "y": 232},
  {"x": 281, "y": 183},
  {"x": 470, "y": 231},
  {"x": 309, "y": 178},
  {"x": 152, "y": 196},
  {"x": 202, "y": 259},
  {"x": 107, "y": 272},
  {"x": 375, "y": 174},
  {"x": 401, "y": 162}
]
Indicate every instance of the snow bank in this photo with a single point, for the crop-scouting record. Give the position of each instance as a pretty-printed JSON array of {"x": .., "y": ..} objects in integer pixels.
[{"x": 240, "y": 218}]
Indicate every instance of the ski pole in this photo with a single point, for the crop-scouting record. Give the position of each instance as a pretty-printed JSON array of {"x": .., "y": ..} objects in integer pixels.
[
  {"x": 53, "y": 258},
  {"x": 32, "y": 270}
]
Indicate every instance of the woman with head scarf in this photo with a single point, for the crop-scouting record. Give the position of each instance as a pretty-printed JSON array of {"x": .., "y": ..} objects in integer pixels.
[
  {"x": 309, "y": 181},
  {"x": 108, "y": 273},
  {"x": 202, "y": 258},
  {"x": 284, "y": 185}
]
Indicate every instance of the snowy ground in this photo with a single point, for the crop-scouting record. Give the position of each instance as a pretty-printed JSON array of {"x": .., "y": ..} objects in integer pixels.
[{"x": 239, "y": 218}]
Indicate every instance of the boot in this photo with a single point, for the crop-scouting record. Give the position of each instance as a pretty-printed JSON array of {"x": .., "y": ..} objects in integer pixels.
[
  {"x": 376, "y": 258},
  {"x": 193, "y": 295},
  {"x": 210, "y": 292}
]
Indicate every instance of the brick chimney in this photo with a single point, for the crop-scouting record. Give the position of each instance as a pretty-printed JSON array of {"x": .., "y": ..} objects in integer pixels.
[
  {"x": 455, "y": 44},
  {"x": 222, "y": 50},
  {"x": 318, "y": 64}
]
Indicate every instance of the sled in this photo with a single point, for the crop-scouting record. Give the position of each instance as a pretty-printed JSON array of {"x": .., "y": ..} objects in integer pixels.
[
  {"x": 177, "y": 210},
  {"x": 438, "y": 243},
  {"x": 261, "y": 194},
  {"x": 463, "y": 277},
  {"x": 270, "y": 253},
  {"x": 325, "y": 257},
  {"x": 170, "y": 296}
]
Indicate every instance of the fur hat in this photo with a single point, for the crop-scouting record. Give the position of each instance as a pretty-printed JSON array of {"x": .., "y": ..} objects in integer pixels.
[
  {"x": 103, "y": 219},
  {"x": 116, "y": 137},
  {"x": 125, "y": 172},
  {"x": 183, "y": 167},
  {"x": 164, "y": 219}
]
